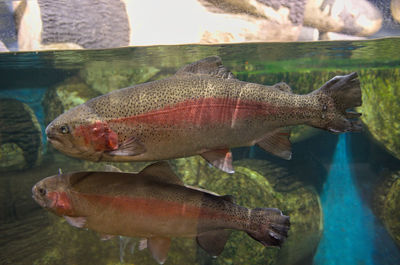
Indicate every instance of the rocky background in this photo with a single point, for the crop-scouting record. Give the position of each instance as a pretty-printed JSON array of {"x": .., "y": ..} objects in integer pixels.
[{"x": 94, "y": 24}]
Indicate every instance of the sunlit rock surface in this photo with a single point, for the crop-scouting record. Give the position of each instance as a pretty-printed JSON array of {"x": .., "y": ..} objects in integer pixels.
[
  {"x": 395, "y": 8},
  {"x": 20, "y": 136},
  {"x": 90, "y": 24},
  {"x": 3, "y": 47},
  {"x": 355, "y": 17}
]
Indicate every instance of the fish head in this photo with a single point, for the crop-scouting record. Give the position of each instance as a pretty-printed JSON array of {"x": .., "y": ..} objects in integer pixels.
[
  {"x": 52, "y": 194},
  {"x": 81, "y": 133}
]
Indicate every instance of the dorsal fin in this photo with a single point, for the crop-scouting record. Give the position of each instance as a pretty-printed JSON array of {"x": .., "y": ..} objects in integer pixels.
[
  {"x": 161, "y": 172},
  {"x": 283, "y": 87},
  {"x": 208, "y": 66}
]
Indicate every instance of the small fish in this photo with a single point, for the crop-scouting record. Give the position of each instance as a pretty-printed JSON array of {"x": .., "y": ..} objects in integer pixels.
[
  {"x": 201, "y": 110},
  {"x": 154, "y": 204}
]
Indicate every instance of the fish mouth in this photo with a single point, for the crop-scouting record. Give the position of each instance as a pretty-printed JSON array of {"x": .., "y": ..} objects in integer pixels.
[
  {"x": 37, "y": 198},
  {"x": 54, "y": 140}
]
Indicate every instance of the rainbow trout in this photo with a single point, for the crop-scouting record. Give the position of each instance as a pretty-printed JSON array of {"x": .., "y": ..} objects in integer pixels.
[
  {"x": 202, "y": 109},
  {"x": 156, "y": 205}
]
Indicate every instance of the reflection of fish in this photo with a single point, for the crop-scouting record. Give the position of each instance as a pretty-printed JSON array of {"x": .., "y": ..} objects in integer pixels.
[
  {"x": 202, "y": 109},
  {"x": 155, "y": 204}
]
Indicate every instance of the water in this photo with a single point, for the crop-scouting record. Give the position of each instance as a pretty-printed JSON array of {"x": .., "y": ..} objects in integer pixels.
[
  {"x": 340, "y": 191},
  {"x": 352, "y": 227}
]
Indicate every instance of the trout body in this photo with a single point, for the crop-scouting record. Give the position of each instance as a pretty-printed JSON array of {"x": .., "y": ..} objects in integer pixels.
[
  {"x": 155, "y": 204},
  {"x": 202, "y": 109}
]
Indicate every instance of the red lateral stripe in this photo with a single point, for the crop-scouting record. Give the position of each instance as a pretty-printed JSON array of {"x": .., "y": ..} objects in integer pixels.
[
  {"x": 202, "y": 112},
  {"x": 153, "y": 208}
]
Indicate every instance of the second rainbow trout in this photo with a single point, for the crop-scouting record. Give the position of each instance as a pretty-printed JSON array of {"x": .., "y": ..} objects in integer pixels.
[{"x": 156, "y": 205}]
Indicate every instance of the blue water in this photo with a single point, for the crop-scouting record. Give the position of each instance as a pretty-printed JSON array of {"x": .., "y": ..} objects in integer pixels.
[{"x": 351, "y": 234}]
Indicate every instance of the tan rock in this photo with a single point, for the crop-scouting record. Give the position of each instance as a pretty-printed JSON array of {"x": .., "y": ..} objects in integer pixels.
[
  {"x": 3, "y": 47},
  {"x": 50, "y": 24},
  {"x": 339, "y": 36},
  {"x": 395, "y": 8},
  {"x": 354, "y": 17}
]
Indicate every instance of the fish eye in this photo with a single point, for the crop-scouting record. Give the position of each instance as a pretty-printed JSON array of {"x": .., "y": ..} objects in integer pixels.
[
  {"x": 42, "y": 191},
  {"x": 64, "y": 129}
]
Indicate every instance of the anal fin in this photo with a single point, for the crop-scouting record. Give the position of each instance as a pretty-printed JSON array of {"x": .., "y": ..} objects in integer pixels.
[
  {"x": 277, "y": 144},
  {"x": 213, "y": 242},
  {"x": 159, "y": 247},
  {"x": 221, "y": 158}
]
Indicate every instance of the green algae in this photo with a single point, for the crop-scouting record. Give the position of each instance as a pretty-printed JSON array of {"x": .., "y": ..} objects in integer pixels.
[
  {"x": 66, "y": 95},
  {"x": 105, "y": 77},
  {"x": 381, "y": 109}
]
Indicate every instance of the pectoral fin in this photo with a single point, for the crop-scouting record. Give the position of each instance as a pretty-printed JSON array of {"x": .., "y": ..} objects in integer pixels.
[
  {"x": 131, "y": 147},
  {"x": 159, "y": 247},
  {"x": 78, "y": 222},
  {"x": 221, "y": 158},
  {"x": 277, "y": 144},
  {"x": 283, "y": 87},
  {"x": 213, "y": 242}
]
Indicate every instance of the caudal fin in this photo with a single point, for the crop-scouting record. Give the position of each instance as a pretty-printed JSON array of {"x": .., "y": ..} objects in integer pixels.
[
  {"x": 268, "y": 226},
  {"x": 343, "y": 93}
]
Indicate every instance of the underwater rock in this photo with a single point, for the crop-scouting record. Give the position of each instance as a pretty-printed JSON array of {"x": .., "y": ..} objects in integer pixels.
[
  {"x": 20, "y": 136},
  {"x": 108, "y": 76},
  {"x": 387, "y": 203},
  {"x": 257, "y": 183},
  {"x": 3, "y": 47},
  {"x": 354, "y": 17},
  {"x": 380, "y": 109},
  {"x": 64, "y": 96},
  {"x": 395, "y": 8}
]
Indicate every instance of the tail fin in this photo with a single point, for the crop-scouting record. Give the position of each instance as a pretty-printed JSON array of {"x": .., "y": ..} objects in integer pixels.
[
  {"x": 345, "y": 93},
  {"x": 268, "y": 226}
]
